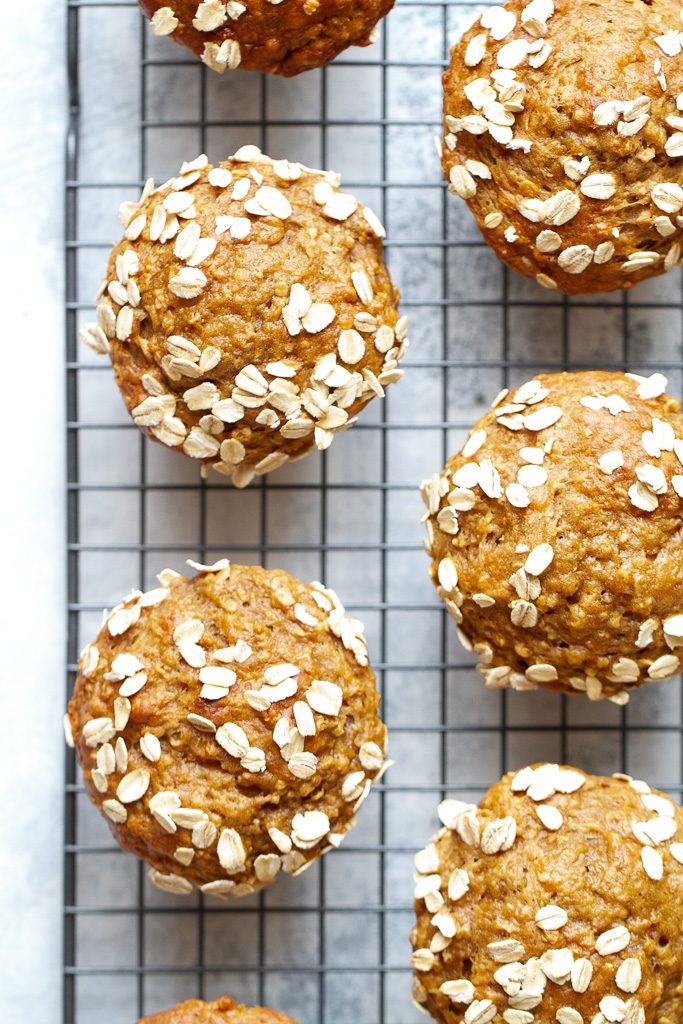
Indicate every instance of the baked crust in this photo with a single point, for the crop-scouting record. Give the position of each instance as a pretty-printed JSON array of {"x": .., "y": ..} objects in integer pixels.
[
  {"x": 222, "y": 1011},
  {"x": 575, "y": 177},
  {"x": 227, "y": 726},
  {"x": 281, "y": 36},
  {"x": 558, "y": 899},
  {"x": 555, "y": 535},
  {"x": 243, "y": 334}
]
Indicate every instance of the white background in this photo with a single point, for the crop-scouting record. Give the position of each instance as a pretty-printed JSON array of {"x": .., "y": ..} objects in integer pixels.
[{"x": 32, "y": 619}]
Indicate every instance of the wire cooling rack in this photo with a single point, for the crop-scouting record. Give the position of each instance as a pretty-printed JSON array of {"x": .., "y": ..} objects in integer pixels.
[{"x": 331, "y": 946}]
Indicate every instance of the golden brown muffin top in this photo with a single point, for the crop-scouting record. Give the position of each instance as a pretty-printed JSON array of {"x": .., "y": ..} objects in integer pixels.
[
  {"x": 555, "y": 534},
  {"x": 248, "y": 312},
  {"x": 227, "y": 726},
  {"x": 281, "y": 36},
  {"x": 557, "y": 899},
  {"x": 222, "y": 1011},
  {"x": 563, "y": 129}
]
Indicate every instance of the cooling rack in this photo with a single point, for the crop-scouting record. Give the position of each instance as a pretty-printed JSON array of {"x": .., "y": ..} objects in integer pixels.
[{"x": 330, "y": 947}]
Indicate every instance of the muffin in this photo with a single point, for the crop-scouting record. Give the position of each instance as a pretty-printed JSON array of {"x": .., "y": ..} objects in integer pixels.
[
  {"x": 248, "y": 312},
  {"x": 227, "y": 726},
  {"x": 222, "y": 1011},
  {"x": 557, "y": 899},
  {"x": 563, "y": 130},
  {"x": 266, "y": 35},
  {"x": 555, "y": 535}
]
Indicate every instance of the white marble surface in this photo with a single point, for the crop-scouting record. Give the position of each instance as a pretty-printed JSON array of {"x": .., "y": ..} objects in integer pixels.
[{"x": 31, "y": 513}]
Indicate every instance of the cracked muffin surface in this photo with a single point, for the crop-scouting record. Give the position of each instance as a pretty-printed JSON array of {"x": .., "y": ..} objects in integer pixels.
[
  {"x": 227, "y": 726},
  {"x": 563, "y": 131},
  {"x": 556, "y": 535},
  {"x": 221, "y": 1011},
  {"x": 557, "y": 899},
  {"x": 281, "y": 36},
  {"x": 248, "y": 312}
]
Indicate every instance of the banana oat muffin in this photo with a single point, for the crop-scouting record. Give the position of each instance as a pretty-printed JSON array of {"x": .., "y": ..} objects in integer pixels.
[
  {"x": 556, "y": 535},
  {"x": 227, "y": 726},
  {"x": 282, "y": 36},
  {"x": 557, "y": 899},
  {"x": 222, "y": 1011},
  {"x": 248, "y": 312},
  {"x": 563, "y": 130},
  {"x": 285, "y": 37}
]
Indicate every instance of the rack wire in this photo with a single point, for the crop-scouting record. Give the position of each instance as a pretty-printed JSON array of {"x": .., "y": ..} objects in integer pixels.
[{"x": 333, "y": 944}]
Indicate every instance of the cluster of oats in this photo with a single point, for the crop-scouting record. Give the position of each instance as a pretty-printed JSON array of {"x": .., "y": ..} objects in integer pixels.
[
  {"x": 523, "y": 980},
  {"x": 216, "y": 22},
  {"x": 450, "y": 495},
  {"x": 498, "y": 99},
  {"x": 209, "y": 16},
  {"x": 265, "y": 397},
  {"x": 215, "y": 675}
]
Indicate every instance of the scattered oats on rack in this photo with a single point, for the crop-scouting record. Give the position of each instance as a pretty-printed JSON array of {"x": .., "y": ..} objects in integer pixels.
[
  {"x": 555, "y": 535},
  {"x": 248, "y": 312},
  {"x": 556, "y": 899},
  {"x": 563, "y": 131},
  {"x": 227, "y": 726},
  {"x": 281, "y": 36}
]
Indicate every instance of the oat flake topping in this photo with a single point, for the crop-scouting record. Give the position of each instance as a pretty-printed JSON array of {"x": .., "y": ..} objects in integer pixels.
[
  {"x": 520, "y": 935},
  {"x": 531, "y": 73},
  {"x": 567, "y": 477},
  {"x": 238, "y": 390},
  {"x": 253, "y": 721}
]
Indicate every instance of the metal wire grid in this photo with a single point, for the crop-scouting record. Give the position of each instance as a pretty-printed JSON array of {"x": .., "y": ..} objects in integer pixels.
[{"x": 492, "y": 731}]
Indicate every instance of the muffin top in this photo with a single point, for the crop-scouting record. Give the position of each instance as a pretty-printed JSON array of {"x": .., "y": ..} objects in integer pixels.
[
  {"x": 281, "y": 36},
  {"x": 555, "y": 534},
  {"x": 227, "y": 725},
  {"x": 222, "y": 1011},
  {"x": 248, "y": 312},
  {"x": 558, "y": 898},
  {"x": 563, "y": 130}
]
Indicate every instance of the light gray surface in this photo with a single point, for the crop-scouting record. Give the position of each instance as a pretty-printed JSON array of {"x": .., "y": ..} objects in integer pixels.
[
  {"x": 410, "y": 638},
  {"x": 31, "y": 514}
]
